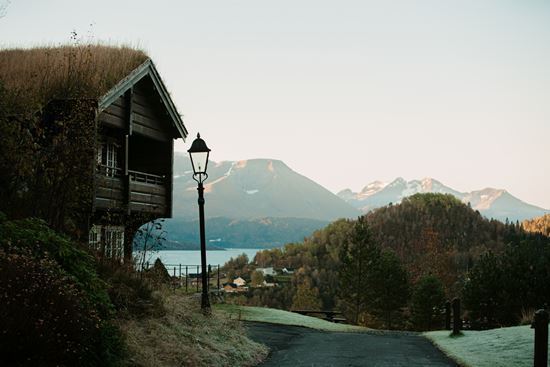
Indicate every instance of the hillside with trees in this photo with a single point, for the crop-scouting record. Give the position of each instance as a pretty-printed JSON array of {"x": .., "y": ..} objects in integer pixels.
[
  {"x": 437, "y": 234},
  {"x": 428, "y": 244},
  {"x": 538, "y": 225}
]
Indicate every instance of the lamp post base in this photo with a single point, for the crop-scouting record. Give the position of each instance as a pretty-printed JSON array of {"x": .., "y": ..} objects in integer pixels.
[{"x": 205, "y": 305}]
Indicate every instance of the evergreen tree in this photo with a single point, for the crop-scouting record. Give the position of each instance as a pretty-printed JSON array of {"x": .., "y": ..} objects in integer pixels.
[
  {"x": 483, "y": 294},
  {"x": 427, "y": 302},
  {"x": 359, "y": 257},
  {"x": 389, "y": 287}
]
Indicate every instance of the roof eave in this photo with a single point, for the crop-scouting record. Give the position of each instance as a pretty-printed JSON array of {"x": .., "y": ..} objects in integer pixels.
[{"x": 146, "y": 68}]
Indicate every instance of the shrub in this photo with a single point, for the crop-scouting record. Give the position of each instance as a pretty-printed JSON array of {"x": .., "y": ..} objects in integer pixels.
[
  {"x": 158, "y": 273},
  {"x": 527, "y": 316},
  {"x": 56, "y": 309},
  {"x": 131, "y": 294},
  {"x": 34, "y": 238},
  {"x": 45, "y": 318}
]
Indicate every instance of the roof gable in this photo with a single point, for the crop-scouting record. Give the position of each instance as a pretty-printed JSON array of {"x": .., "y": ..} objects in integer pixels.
[{"x": 147, "y": 69}]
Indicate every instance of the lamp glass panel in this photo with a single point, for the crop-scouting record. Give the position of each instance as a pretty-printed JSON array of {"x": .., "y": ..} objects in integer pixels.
[{"x": 199, "y": 161}]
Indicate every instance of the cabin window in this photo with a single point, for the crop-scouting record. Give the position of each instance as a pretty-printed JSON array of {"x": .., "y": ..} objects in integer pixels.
[
  {"x": 108, "y": 159},
  {"x": 111, "y": 238},
  {"x": 94, "y": 238},
  {"x": 114, "y": 242},
  {"x": 112, "y": 159}
]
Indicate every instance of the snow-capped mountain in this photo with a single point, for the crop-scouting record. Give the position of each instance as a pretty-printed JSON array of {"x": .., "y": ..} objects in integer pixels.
[
  {"x": 255, "y": 188},
  {"x": 493, "y": 203}
]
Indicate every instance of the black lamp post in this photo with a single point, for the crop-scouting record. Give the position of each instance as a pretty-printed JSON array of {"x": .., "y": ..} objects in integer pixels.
[{"x": 199, "y": 159}]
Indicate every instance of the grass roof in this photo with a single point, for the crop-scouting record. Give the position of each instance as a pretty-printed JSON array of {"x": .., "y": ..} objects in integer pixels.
[{"x": 38, "y": 75}]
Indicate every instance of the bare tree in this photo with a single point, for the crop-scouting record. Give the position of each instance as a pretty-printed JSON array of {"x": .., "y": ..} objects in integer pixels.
[
  {"x": 3, "y": 7},
  {"x": 149, "y": 238}
]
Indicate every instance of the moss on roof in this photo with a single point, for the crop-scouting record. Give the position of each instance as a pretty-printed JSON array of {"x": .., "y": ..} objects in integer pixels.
[{"x": 38, "y": 75}]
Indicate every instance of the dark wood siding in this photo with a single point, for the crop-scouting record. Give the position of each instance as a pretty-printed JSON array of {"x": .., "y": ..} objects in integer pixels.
[
  {"x": 110, "y": 193},
  {"x": 139, "y": 123},
  {"x": 115, "y": 114},
  {"x": 146, "y": 197},
  {"x": 146, "y": 118}
]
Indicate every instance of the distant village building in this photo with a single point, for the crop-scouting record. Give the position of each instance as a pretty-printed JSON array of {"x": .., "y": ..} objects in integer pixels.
[
  {"x": 233, "y": 288},
  {"x": 288, "y": 271},
  {"x": 133, "y": 119},
  {"x": 267, "y": 271},
  {"x": 240, "y": 282},
  {"x": 230, "y": 287}
]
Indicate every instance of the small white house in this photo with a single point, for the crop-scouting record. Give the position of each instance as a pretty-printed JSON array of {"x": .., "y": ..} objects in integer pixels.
[
  {"x": 288, "y": 271},
  {"x": 266, "y": 284},
  {"x": 267, "y": 271},
  {"x": 240, "y": 282}
]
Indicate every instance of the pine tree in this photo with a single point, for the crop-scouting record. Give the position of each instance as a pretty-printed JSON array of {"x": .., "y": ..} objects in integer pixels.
[
  {"x": 482, "y": 293},
  {"x": 359, "y": 256},
  {"x": 389, "y": 287},
  {"x": 427, "y": 302}
]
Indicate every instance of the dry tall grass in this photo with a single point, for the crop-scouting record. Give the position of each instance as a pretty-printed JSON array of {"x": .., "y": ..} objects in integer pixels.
[
  {"x": 184, "y": 337},
  {"x": 527, "y": 316},
  {"x": 38, "y": 75}
]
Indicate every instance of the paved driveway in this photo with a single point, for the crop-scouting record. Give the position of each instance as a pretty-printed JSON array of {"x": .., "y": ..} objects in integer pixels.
[{"x": 293, "y": 346}]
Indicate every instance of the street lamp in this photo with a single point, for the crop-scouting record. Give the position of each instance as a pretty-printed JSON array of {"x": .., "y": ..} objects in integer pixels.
[{"x": 199, "y": 159}]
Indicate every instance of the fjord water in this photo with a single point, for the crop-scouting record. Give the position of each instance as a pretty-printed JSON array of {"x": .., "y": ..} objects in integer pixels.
[{"x": 173, "y": 257}]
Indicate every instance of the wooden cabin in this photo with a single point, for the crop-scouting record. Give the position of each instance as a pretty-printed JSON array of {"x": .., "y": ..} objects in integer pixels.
[{"x": 135, "y": 123}]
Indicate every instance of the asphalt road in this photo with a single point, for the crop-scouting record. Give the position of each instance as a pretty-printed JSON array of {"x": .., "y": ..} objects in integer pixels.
[{"x": 293, "y": 346}]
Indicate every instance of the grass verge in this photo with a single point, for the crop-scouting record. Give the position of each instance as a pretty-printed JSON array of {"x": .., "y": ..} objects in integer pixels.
[
  {"x": 504, "y": 347},
  {"x": 184, "y": 337},
  {"x": 270, "y": 315}
]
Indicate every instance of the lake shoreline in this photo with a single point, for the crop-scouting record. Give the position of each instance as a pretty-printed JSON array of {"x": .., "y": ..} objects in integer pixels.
[{"x": 193, "y": 258}]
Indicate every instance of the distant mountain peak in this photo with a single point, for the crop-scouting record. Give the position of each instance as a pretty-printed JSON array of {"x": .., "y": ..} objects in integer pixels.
[
  {"x": 493, "y": 203},
  {"x": 257, "y": 188},
  {"x": 372, "y": 188},
  {"x": 240, "y": 164},
  {"x": 483, "y": 199},
  {"x": 427, "y": 183},
  {"x": 397, "y": 182}
]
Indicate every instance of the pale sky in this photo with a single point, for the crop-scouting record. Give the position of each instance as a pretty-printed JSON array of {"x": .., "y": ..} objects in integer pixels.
[{"x": 344, "y": 92}]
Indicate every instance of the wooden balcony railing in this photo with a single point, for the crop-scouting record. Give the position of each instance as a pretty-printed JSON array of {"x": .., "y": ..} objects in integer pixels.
[
  {"x": 109, "y": 171},
  {"x": 142, "y": 192},
  {"x": 147, "y": 178},
  {"x": 148, "y": 192}
]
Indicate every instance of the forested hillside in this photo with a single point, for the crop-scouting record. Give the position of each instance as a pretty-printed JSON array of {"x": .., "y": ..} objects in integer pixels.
[
  {"x": 433, "y": 236},
  {"x": 538, "y": 225},
  {"x": 437, "y": 234}
]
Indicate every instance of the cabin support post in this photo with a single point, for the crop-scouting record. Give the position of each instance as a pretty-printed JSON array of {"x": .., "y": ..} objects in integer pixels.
[
  {"x": 129, "y": 117},
  {"x": 448, "y": 315},
  {"x": 540, "y": 324},
  {"x": 457, "y": 322}
]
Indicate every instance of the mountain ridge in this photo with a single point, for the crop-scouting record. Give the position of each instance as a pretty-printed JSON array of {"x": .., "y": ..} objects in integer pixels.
[
  {"x": 263, "y": 187},
  {"x": 256, "y": 188},
  {"x": 491, "y": 202},
  {"x": 261, "y": 203}
]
